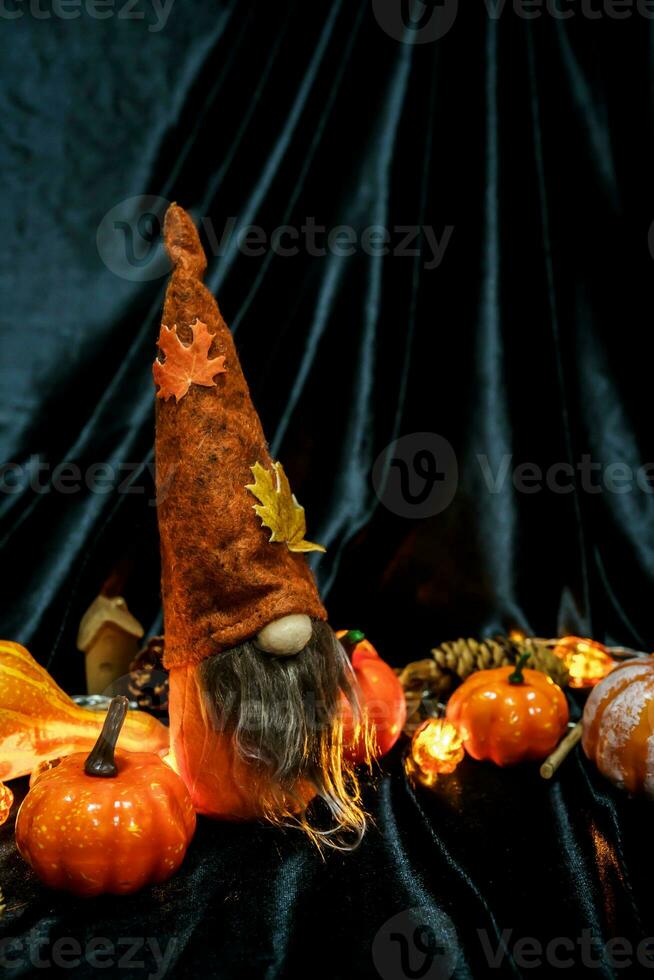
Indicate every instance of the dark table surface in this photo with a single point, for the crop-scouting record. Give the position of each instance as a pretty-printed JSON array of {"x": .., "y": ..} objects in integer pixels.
[{"x": 493, "y": 869}]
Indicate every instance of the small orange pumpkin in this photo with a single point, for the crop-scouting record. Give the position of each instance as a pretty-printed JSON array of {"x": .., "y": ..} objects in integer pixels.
[
  {"x": 107, "y": 823},
  {"x": 508, "y": 714},
  {"x": 619, "y": 725},
  {"x": 381, "y": 697}
]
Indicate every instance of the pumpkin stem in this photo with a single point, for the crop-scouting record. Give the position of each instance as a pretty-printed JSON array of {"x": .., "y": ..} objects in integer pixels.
[
  {"x": 350, "y": 640},
  {"x": 517, "y": 677},
  {"x": 101, "y": 761}
]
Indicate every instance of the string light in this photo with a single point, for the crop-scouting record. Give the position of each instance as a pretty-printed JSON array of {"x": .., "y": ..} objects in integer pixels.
[
  {"x": 517, "y": 636},
  {"x": 587, "y": 660},
  {"x": 436, "y": 749}
]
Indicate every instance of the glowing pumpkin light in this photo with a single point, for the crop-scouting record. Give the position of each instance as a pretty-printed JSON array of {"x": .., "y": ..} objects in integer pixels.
[
  {"x": 436, "y": 749},
  {"x": 587, "y": 660}
]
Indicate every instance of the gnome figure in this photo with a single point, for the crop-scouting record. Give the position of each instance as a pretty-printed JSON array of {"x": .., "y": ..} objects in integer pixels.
[{"x": 258, "y": 680}]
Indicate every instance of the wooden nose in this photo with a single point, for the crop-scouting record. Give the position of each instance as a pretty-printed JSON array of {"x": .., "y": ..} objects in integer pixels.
[{"x": 286, "y": 636}]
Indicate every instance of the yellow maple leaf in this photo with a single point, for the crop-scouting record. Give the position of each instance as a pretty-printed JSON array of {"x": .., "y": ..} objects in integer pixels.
[{"x": 278, "y": 509}]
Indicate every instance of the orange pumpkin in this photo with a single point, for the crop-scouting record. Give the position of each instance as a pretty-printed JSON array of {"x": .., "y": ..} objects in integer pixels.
[
  {"x": 380, "y": 693},
  {"x": 38, "y": 721},
  {"x": 509, "y": 715},
  {"x": 109, "y": 823},
  {"x": 619, "y": 726}
]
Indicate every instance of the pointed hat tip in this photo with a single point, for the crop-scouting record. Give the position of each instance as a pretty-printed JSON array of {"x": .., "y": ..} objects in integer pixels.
[{"x": 183, "y": 242}]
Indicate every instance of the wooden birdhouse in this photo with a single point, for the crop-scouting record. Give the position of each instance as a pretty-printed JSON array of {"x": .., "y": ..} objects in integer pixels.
[{"x": 109, "y": 637}]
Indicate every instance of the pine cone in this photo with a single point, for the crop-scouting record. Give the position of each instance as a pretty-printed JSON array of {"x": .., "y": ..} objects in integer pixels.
[
  {"x": 148, "y": 678},
  {"x": 422, "y": 676},
  {"x": 460, "y": 658},
  {"x": 150, "y": 655}
]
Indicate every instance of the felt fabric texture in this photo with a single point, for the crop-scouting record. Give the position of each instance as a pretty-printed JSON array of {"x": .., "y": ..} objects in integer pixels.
[
  {"x": 222, "y": 578},
  {"x": 220, "y": 783}
]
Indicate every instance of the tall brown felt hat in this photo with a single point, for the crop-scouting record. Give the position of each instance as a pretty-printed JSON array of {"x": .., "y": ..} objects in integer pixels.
[{"x": 232, "y": 534}]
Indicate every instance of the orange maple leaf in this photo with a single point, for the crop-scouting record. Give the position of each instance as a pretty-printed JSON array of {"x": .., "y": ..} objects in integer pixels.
[{"x": 185, "y": 365}]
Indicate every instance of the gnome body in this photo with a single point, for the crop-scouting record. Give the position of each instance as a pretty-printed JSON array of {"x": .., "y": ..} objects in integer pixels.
[
  {"x": 222, "y": 784},
  {"x": 257, "y": 677}
]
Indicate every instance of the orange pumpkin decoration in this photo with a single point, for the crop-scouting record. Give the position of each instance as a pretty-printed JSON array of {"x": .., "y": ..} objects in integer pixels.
[
  {"x": 508, "y": 714},
  {"x": 38, "y": 721},
  {"x": 381, "y": 696},
  {"x": 109, "y": 823},
  {"x": 619, "y": 725}
]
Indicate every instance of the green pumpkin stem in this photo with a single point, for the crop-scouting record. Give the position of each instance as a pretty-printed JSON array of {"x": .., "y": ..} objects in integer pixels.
[
  {"x": 101, "y": 761},
  {"x": 517, "y": 677},
  {"x": 350, "y": 640}
]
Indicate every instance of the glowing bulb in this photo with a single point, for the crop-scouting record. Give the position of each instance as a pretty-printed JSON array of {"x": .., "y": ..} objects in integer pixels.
[
  {"x": 436, "y": 748},
  {"x": 517, "y": 636},
  {"x": 587, "y": 660}
]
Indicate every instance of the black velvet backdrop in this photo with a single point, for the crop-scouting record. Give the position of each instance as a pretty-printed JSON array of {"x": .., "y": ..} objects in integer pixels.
[{"x": 525, "y": 147}]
